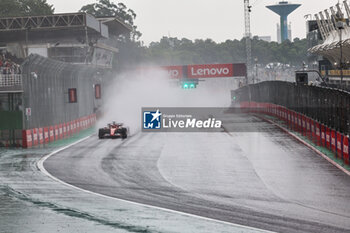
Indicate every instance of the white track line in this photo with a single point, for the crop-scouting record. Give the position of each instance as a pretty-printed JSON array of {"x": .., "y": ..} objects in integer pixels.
[
  {"x": 40, "y": 165},
  {"x": 308, "y": 145}
]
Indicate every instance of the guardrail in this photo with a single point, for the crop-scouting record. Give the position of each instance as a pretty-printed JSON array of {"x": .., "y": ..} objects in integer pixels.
[
  {"x": 10, "y": 80},
  {"x": 328, "y": 106}
]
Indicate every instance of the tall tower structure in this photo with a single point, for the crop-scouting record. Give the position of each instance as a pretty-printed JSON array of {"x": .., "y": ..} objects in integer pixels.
[
  {"x": 247, "y": 10},
  {"x": 283, "y": 9}
]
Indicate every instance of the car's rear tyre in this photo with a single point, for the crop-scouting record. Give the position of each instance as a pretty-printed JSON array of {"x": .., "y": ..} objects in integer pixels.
[
  {"x": 124, "y": 133},
  {"x": 101, "y": 133}
]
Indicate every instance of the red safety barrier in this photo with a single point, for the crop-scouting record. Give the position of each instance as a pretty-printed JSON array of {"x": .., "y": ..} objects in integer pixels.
[
  {"x": 68, "y": 129},
  {"x": 74, "y": 123},
  {"x": 328, "y": 137},
  {"x": 77, "y": 126},
  {"x": 57, "y": 133},
  {"x": 294, "y": 121},
  {"x": 51, "y": 134},
  {"x": 318, "y": 133},
  {"x": 27, "y": 138},
  {"x": 333, "y": 139},
  {"x": 289, "y": 117},
  {"x": 64, "y": 127},
  {"x": 346, "y": 150},
  {"x": 313, "y": 130},
  {"x": 46, "y": 135},
  {"x": 60, "y": 131},
  {"x": 308, "y": 127},
  {"x": 89, "y": 117},
  {"x": 300, "y": 127},
  {"x": 268, "y": 109},
  {"x": 339, "y": 145},
  {"x": 85, "y": 124},
  {"x": 80, "y": 120},
  {"x": 72, "y": 127},
  {"x": 71, "y": 124},
  {"x": 41, "y": 136},
  {"x": 303, "y": 125},
  {"x": 278, "y": 112},
  {"x": 35, "y": 137},
  {"x": 323, "y": 136}
]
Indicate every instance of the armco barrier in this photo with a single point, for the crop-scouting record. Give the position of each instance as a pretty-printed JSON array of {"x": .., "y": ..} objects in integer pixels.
[
  {"x": 39, "y": 136},
  {"x": 320, "y": 134},
  {"x": 328, "y": 108}
]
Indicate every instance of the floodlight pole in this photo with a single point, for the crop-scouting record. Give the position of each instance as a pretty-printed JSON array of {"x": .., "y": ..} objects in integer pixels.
[
  {"x": 340, "y": 26},
  {"x": 247, "y": 10}
]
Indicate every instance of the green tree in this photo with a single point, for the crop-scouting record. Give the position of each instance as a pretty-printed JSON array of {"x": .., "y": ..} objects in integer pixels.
[
  {"x": 10, "y": 8},
  {"x": 180, "y": 52}
]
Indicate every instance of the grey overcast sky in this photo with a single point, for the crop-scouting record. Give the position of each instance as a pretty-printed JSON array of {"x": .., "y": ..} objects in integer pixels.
[{"x": 201, "y": 19}]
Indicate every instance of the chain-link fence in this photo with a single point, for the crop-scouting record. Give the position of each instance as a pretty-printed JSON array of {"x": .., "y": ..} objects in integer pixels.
[
  {"x": 325, "y": 105},
  {"x": 56, "y": 92}
]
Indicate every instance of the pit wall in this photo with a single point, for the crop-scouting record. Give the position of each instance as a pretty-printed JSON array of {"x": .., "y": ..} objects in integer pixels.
[
  {"x": 40, "y": 136},
  {"x": 315, "y": 131}
]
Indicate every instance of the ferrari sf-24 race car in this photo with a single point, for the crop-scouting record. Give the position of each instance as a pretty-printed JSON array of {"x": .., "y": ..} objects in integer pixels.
[{"x": 113, "y": 130}]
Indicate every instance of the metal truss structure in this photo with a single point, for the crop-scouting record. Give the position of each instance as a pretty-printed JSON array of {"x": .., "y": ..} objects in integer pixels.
[
  {"x": 43, "y": 22},
  {"x": 335, "y": 32}
]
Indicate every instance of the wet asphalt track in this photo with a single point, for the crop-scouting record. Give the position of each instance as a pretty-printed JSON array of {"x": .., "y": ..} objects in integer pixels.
[{"x": 263, "y": 179}]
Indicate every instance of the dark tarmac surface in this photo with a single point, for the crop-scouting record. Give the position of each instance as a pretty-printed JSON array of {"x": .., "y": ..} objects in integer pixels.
[
  {"x": 261, "y": 179},
  {"x": 33, "y": 201}
]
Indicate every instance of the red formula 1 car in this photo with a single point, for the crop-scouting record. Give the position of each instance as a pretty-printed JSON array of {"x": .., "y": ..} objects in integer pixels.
[{"x": 113, "y": 130}]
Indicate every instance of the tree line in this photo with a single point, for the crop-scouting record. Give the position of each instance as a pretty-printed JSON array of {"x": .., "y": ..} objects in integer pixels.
[{"x": 185, "y": 51}]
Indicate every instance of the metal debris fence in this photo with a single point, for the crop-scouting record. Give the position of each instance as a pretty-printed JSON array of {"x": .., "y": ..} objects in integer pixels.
[{"x": 328, "y": 106}]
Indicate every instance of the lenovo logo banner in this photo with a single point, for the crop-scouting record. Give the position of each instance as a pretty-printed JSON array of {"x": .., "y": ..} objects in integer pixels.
[
  {"x": 173, "y": 71},
  {"x": 210, "y": 71}
]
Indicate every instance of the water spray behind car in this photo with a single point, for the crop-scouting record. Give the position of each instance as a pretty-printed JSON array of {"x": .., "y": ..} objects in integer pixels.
[{"x": 131, "y": 91}]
